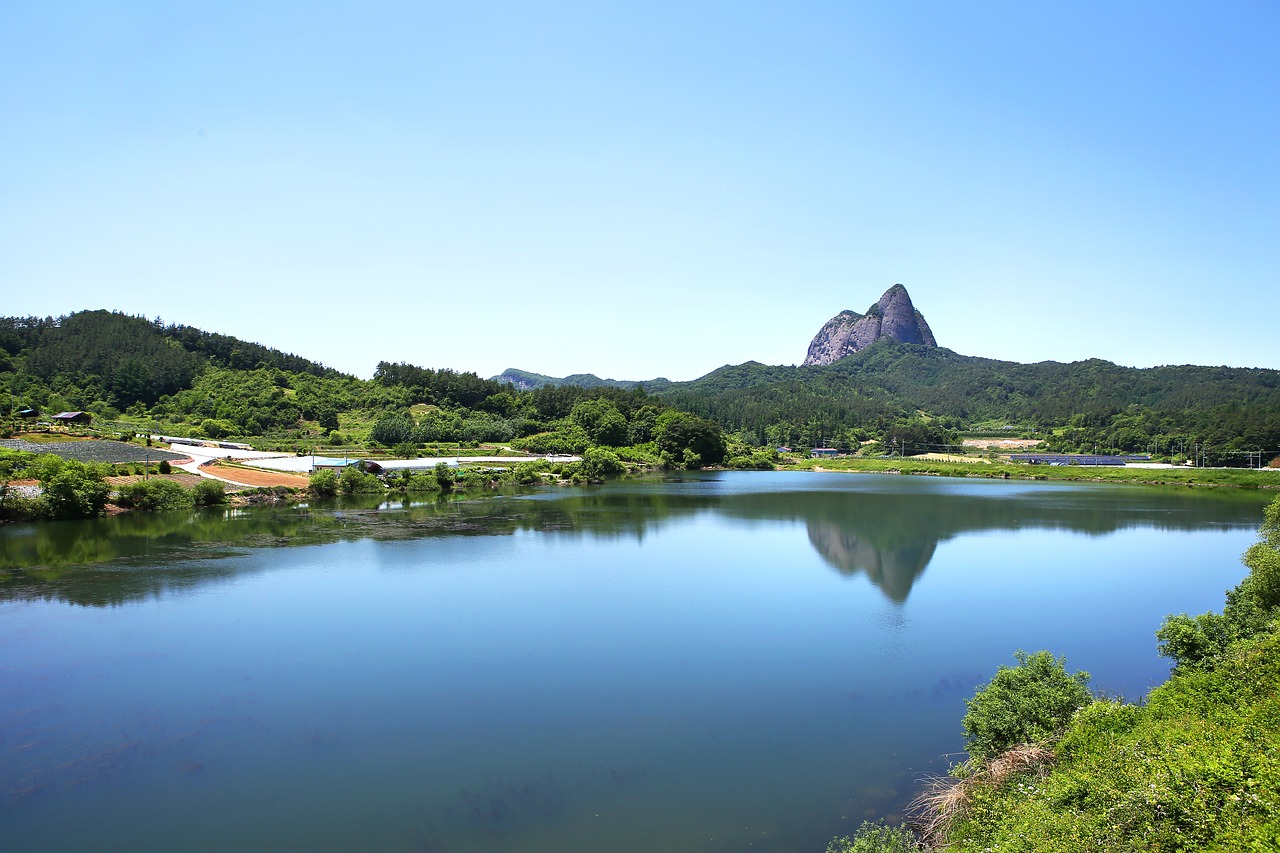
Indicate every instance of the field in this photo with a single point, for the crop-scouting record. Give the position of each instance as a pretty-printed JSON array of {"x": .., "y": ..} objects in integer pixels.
[
  {"x": 255, "y": 477},
  {"x": 91, "y": 450}
]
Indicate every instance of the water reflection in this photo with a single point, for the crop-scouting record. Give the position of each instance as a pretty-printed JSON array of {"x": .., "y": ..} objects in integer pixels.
[{"x": 885, "y": 528}]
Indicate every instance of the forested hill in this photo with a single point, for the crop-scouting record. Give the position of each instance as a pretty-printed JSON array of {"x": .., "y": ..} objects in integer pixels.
[
  {"x": 126, "y": 359},
  {"x": 135, "y": 375},
  {"x": 898, "y": 393},
  {"x": 1236, "y": 409}
]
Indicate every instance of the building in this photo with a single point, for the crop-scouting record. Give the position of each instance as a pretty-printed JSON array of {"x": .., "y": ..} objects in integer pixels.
[
  {"x": 69, "y": 418},
  {"x": 823, "y": 452}
]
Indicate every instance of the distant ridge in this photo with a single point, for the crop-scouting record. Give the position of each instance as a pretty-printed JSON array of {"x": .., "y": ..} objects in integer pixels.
[
  {"x": 892, "y": 316},
  {"x": 527, "y": 381}
]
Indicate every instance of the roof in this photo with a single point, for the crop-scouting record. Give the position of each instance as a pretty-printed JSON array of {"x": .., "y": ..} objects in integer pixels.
[{"x": 66, "y": 416}]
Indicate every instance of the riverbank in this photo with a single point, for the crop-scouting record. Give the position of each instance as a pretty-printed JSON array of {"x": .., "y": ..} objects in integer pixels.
[{"x": 1242, "y": 478}]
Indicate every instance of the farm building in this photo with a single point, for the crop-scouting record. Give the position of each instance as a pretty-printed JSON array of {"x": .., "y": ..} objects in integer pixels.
[{"x": 69, "y": 418}]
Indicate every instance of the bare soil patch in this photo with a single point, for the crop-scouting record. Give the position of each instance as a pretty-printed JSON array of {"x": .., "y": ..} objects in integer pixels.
[
  {"x": 184, "y": 479},
  {"x": 256, "y": 477},
  {"x": 1002, "y": 443}
]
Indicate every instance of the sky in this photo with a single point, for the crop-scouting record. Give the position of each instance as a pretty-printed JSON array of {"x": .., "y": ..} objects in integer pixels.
[{"x": 648, "y": 189}]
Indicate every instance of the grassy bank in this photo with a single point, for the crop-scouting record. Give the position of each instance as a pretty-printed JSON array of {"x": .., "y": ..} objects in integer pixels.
[
  {"x": 1194, "y": 767},
  {"x": 1233, "y": 477}
]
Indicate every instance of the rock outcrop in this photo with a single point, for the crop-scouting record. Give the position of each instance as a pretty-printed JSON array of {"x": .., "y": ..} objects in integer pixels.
[{"x": 893, "y": 316}]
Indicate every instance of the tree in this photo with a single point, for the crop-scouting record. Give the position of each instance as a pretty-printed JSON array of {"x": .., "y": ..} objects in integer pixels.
[
  {"x": 353, "y": 481},
  {"x": 323, "y": 483},
  {"x": 392, "y": 429},
  {"x": 1028, "y": 703},
  {"x": 598, "y": 463},
  {"x": 603, "y": 423},
  {"x": 679, "y": 431},
  {"x": 73, "y": 489}
]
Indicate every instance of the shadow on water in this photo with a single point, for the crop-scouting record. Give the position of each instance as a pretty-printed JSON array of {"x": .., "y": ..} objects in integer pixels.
[{"x": 884, "y": 529}]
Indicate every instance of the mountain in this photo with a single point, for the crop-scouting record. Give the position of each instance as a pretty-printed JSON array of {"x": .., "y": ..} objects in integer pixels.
[
  {"x": 527, "y": 381},
  {"x": 1232, "y": 409},
  {"x": 892, "y": 316}
]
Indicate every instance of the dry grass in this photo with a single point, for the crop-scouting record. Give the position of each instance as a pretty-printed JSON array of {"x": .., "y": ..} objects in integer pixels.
[
  {"x": 1027, "y": 758},
  {"x": 945, "y": 798},
  {"x": 939, "y": 806}
]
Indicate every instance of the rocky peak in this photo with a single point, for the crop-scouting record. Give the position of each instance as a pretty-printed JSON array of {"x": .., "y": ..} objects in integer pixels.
[{"x": 892, "y": 316}]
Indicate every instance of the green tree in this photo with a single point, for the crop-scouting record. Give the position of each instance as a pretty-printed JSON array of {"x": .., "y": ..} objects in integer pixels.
[
  {"x": 678, "y": 432},
  {"x": 353, "y": 481},
  {"x": 323, "y": 483},
  {"x": 392, "y": 429},
  {"x": 598, "y": 463},
  {"x": 601, "y": 420},
  {"x": 445, "y": 476},
  {"x": 74, "y": 489}
]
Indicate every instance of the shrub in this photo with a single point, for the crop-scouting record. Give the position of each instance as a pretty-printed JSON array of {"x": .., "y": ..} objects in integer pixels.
[
  {"x": 209, "y": 492},
  {"x": 323, "y": 483},
  {"x": 72, "y": 489},
  {"x": 154, "y": 495},
  {"x": 875, "y": 838},
  {"x": 759, "y": 460},
  {"x": 1251, "y": 609},
  {"x": 353, "y": 481},
  {"x": 444, "y": 476},
  {"x": 530, "y": 473},
  {"x": 598, "y": 463},
  {"x": 165, "y": 467},
  {"x": 421, "y": 482},
  {"x": 1027, "y": 703}
]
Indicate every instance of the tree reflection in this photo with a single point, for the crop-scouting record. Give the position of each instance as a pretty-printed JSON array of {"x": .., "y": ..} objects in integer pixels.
[{"x": 887, "y": 533}]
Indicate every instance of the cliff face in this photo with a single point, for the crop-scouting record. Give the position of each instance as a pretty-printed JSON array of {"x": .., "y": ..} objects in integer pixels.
[{"x": 893, "y": 316}]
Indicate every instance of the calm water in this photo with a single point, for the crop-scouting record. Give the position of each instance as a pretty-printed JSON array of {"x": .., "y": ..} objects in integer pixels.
[{"x": 727, "y": 662}]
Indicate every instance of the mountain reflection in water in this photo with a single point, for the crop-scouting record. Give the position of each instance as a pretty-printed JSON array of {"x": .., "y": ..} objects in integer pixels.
[{"x": 887, "y": 528}]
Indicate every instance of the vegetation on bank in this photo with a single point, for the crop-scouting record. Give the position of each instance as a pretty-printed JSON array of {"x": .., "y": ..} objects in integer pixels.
[
  {"x": 47, "y": 486},
  {"x": 1194, "y": 767},
  {"x": 996, "y": 469},
  {"x": 142, "y": 377},
  {"x": 138, "y": 375}
]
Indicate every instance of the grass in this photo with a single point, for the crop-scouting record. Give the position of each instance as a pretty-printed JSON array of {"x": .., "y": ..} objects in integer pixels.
[
  {"x": 947, "y": 800},
  {"x": 1196, "y": 768},
  {"x": 998, "y": 469}
]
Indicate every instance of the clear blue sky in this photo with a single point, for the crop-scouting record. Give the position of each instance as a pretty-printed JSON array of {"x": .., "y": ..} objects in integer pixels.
[{"x": 648, "y": 189}]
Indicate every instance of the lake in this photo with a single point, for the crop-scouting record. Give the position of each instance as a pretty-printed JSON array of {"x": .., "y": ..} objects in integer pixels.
[{"x": 714, "y": 662}]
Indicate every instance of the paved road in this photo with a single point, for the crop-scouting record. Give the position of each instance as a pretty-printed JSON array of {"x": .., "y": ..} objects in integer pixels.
[{"x": 303, "y": 464}]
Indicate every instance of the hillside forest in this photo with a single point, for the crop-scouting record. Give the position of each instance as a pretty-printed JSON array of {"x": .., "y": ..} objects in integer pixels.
[
  {"x": 141, "y": 375},
  {"x": 137, "y": 375}
]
